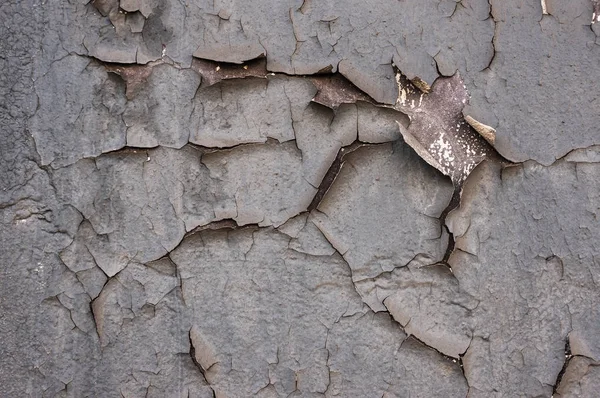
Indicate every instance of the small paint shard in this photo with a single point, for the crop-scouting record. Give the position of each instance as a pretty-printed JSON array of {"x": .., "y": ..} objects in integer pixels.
[
  {"x": 544, "y": 7},
  {"x": 487, "y": 132},
  {"x": 421, "y": 84}
]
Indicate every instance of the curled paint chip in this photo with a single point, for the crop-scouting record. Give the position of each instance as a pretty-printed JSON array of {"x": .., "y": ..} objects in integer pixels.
[
  {"x": 487, "y": 132},
  {"x": 438, "y": 131}
]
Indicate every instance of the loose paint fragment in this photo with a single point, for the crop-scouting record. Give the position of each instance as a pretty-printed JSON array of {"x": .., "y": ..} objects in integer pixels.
[
  {"x": 438, "y": 131},
  {"x": 487, "y": 132},
  {"x": 544, "y": 7}
]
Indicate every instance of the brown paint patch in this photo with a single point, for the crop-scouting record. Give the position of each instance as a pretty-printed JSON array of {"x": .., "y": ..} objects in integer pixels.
[
  {"x": 133, "y": 75},
  {"x": 213, "y": 72},
  {"x": 335, "y": 90}
]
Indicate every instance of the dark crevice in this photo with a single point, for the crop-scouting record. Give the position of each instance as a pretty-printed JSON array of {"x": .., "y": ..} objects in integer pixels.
[
  {"x": 568, "y": 356},
  {"x": 437, "y": 68},
  {"x": 227, "y": 223},
  {"x": 454, "y": 203},
  {"x": 491, "y": 16},
  {"x": 123, "y": 150},
  {"x": 200, "y": 368},
  {"x": 208, "y": 149},
  {"x": 94, "y": 315},
  {"x": 446, "y": 357},
  {"x": 462, "y": 365},
  {"x": 449, "y": 248},
  {"x": 333, "y": 172},
  {"x": 462, "y": 370},
  {"x": 563, "y": 157}
]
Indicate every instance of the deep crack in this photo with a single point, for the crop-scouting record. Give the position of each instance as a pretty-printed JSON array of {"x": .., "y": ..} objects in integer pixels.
[
  {"x": 200, "y": 368},
  {"x": 568, "y": 357},
  {"x": 333, "y": 172}
]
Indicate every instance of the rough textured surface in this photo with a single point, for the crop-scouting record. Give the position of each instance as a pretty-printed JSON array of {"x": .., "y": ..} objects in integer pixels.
[
  {"x": 159, "y": 113},
  {"x": 233, "y": 199},
  {"x": 391, "y": 180},
  {"x": 580, "y": 379},
  {"x": 536, "y": 92},
  {"x": 79, "y": 112},
  {"x": 542, "y": 287},
  {"x": 298, "y": 311}
]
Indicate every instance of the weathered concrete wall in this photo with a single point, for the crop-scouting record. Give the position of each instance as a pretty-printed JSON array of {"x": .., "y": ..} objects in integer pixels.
[{"x": 299, "y": 198}]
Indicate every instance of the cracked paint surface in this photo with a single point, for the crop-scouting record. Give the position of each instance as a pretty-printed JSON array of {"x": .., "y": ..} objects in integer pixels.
[{"x": 299, "y": 198}]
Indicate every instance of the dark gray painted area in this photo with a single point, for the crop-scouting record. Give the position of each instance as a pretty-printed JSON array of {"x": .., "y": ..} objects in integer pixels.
[
  {"x": 234, "y": 199},
  {"x": 538, "y": 91}
]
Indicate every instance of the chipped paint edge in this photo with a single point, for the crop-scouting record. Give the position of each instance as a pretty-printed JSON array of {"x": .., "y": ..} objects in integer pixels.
[
  {"x": 487, "y": 132},
  {"x": 418, "y": 147}
]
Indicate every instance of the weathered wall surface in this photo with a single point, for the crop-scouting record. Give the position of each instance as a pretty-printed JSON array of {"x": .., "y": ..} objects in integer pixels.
[{"x": 235, "y": 198}]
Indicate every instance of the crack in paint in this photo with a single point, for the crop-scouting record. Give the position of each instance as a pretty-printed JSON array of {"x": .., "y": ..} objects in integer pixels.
[
  {"x": 198, "y": 366},
  {"x": 568, "y": 357},
  {"x": 333, "y": 172}
]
